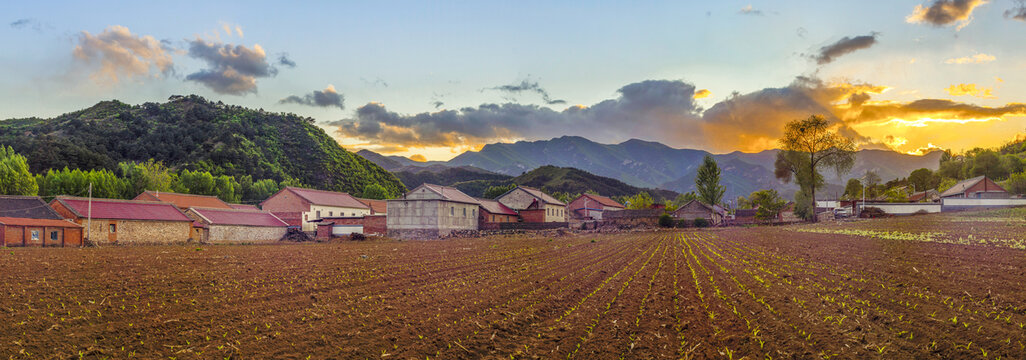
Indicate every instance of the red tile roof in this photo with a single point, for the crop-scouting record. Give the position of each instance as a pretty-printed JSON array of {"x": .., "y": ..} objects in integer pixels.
[
  {"x": 495, "y": 207},
  {"x": 238, "y": 217},
  {"x": 37, "y": 222},
  {"x": 328, "y": 198},
  {"x": 123, "y": 209},
  {"x": 376, "y": 206},
  {"x": 184, "y": 201},
  {"x": 604, "y": 200},
  {"x": 243, "y": 206}
]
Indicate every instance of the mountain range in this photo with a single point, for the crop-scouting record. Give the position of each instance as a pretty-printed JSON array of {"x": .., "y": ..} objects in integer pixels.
[{"x": 647, "y": 164}]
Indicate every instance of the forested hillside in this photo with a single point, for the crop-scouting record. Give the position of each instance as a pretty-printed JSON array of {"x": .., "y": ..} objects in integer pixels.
[{"x": 191, "y": 133}]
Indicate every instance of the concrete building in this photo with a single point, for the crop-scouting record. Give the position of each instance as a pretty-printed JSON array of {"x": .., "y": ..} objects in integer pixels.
[
  {"x": 591, "y": 207},
  {"x": 533, "y": 205},
  {"x": 979, "y": 187},
  {"x": 431, "y": 211},
  {"x": 695, "y": 209},
  {"x": 236, "y": 226},
  {"x": 183, "y": 201},
  {"x": 304, "y": 207},
  {"x": 126, "y": 221},
  {"x": 29, "y": 221}
]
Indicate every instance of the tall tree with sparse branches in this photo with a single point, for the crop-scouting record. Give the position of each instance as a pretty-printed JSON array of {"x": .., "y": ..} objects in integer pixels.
[
  {"x": 809, "y": 145},
  {"x": 708, "y": 182}
]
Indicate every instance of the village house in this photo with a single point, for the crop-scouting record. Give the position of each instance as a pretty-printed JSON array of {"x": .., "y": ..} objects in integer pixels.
[
  {"x": 925, "y": 196},
  {"x": 695, "y": 209},
  {"x": 493, "y": 212},
  {"x": 304, "y": 207},
  {"x": 126, "y": 221},
  {"x": 183, "y": 201},
  {"x": 235, "y": 226},
  {"x": 980, "y": 187},
  {"x": 377, "y": 207},
  {"x": 591, "y": 207},
  {"x": 431, "y": 211},
  {"x": 29, "y": 221},
  {"x": 744, "y": 216},
  {"x": 533, "y": 205},
  {"x": 243, "y": 206}
]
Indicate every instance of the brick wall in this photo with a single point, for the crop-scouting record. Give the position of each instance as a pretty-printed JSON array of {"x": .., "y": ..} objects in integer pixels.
[
  {"x": 375, "y": 225},
  {"x": 533, "y": 216}
]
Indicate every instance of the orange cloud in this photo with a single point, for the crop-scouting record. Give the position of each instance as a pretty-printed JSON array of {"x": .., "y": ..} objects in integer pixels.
[
  {"x": 418, "y": 158},
  {"x": 121, "y": 54},
  {"x": 701, "y": 94},
  {"x": 970, "y": 90}
]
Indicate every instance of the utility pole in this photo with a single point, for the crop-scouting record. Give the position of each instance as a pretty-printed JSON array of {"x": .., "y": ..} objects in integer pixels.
[{"x": 89, "y": 222}]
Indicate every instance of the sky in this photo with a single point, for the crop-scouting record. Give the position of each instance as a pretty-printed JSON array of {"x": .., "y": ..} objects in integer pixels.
[{"x": 430, "y": 80}]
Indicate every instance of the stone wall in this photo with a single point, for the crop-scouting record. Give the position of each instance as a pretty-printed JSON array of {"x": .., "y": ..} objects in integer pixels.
[
  {"x": 244, "y": 234},
  {"x": 139, "y": 232},
  {"x": 415, "y": 234}
]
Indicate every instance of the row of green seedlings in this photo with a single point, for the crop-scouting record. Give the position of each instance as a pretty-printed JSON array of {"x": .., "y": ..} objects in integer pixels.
[
  {"x": 898, "y": 318},
  {"x": 835, "y": 317},
  {"x": 556, "y": 259},
  {"x": 632, "y": 338},
  {"x": 588, "y": 330}
]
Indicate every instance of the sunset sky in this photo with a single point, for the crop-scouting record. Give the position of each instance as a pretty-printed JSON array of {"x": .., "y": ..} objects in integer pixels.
[{"x": 438, "y": 78}]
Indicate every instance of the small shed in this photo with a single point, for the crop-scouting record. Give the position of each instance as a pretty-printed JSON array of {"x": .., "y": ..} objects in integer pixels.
[
  {"x": 29, "y": 221},
  {"x": 237, "y": 226},
  {"x": 695, "y": 209}
]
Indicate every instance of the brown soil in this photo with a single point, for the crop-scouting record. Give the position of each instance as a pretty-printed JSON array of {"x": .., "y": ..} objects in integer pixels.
[{"x": 733, "y": 293}]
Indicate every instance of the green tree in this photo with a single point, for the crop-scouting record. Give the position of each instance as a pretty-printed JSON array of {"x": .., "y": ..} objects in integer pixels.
[
  {"x": 15, "y": 178},
  {"x": 495, "y": 191},
  {"x": 708, "y": 182},
  {"x": 224, "y": 188},
  {"x": 150, "y": 175},
  {"x": 945, "y": 184},
  {"x": 988, "y": 163},
  {"x": 923, "y": 179},
  {"x": 639, "y": 201},
  {"x": 1016, "y": 183},
  {"x": 809, "y": 145},
  {"x": 665, "y": 220},
  {"x": 374, "y": 191},
  {"x": 897, "y": 194},
  {"x": 802, "y": 206},
  {"x": 262, "y": 189},
  {"x": 769, "y": 204},
  {"x": 853, "y": 190}
]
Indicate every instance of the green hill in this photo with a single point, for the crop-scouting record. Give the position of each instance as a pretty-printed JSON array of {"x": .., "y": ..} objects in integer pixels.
[{"x": 189, "y": 132}]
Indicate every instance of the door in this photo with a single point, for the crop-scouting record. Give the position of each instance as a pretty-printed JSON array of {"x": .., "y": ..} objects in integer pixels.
[{"x": 112, "y": 232}]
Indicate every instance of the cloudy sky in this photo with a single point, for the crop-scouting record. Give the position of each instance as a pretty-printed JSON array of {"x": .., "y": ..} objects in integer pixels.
[{"x": 438, "y": 78}]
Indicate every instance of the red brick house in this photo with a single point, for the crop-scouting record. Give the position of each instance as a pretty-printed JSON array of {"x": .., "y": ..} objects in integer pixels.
[
  {"x": 183, "y": 201},
  {"x": 591, "y": 207},
  {"x": 493, "y": 211},
  {"x": 304, "y": 207},
  {"x": 979, "y": 187},
  {"x": 29, "y": 221}
]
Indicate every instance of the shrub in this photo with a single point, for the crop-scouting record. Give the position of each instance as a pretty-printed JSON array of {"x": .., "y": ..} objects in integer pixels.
[
  {"x": 700, "y": 222},
  {"x": 872, "y": 212},
  {"x": 683, "y": 223},
  {"x": 357, "y": 237},
  {"x": 665, "y": 220}
]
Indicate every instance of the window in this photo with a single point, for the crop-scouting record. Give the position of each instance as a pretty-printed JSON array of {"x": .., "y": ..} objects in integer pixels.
[
  {"x": 331, "y": 213},
  {"x": 493, "y": 218},
  {"x": 35, "y": 235},
  {"x": 113, "y": 228},
  {"x": 54, "y": 235},
  {"x": 464, "y": 212},
  {"x": 306, "y": 216},
  {"x": 318, "y": 214},
  {"x": 452, "y": 211}
]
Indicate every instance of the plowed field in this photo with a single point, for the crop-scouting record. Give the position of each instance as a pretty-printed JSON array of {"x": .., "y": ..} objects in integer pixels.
[{"x": 728, "y": 293}]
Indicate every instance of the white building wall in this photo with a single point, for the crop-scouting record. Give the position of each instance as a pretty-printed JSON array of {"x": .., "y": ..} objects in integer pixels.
[
  {"x": 906, "y": 208},
  {"x": 329, "y": 211}
]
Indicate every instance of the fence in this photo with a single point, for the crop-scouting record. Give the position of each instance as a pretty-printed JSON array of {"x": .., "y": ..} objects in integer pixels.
[{"x": 956, "y": 204}]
